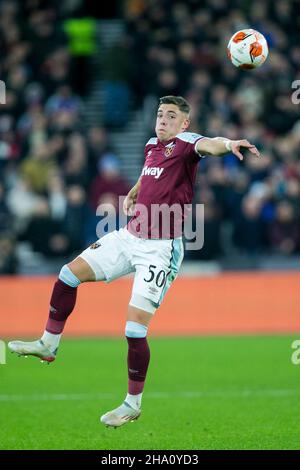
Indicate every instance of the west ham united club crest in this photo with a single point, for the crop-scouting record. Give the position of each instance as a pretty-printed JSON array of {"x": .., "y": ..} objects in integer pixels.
[
  {"x": 169, "y": 149},
  {"x": 95, "y": 245}
]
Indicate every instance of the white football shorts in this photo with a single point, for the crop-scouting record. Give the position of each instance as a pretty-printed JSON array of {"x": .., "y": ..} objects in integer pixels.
[{"x": 155, "y": 262}]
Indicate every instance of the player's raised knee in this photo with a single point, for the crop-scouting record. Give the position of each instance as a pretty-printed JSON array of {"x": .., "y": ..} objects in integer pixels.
[
  {"x": 135, "y": 330},
  {"x": 68, "y": 277}
]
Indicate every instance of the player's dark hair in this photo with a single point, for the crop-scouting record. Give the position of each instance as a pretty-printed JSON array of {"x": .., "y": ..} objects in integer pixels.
[{"x": 178, "y": 101}]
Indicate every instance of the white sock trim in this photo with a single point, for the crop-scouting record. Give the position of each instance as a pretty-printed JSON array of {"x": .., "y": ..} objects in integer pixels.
[
  {"x": 135, "y": 330},
  {"x": 68, "y": 277},
  {"x": 135, "y": 401},
  {"x": 50, "y": 340}
]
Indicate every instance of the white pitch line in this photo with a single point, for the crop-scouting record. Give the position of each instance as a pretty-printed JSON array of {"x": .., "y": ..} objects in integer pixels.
[{"x": 155, "y": 395}]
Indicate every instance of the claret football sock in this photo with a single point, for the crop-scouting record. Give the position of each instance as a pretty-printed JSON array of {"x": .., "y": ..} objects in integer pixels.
[
  {"x": 138, "y": 360},
  {"x": 62, "y": 303}
]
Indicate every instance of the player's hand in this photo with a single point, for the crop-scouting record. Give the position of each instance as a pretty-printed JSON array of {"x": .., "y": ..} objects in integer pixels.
[
  {"x": 128, "y": 204},
  {"x": 236, "y": 145}
]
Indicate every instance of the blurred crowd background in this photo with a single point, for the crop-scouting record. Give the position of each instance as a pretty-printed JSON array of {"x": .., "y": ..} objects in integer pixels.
[{"x": 55, "y": 168}]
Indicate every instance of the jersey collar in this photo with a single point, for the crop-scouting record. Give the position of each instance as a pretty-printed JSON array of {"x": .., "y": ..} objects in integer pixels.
[{"x": 166, "y": 142}]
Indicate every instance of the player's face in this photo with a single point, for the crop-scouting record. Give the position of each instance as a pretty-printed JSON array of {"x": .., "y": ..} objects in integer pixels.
[{"x": 170, "y": 121}]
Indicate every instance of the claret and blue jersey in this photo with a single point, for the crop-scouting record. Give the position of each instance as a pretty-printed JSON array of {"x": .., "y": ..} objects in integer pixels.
[{"x": 168, "y": 177}]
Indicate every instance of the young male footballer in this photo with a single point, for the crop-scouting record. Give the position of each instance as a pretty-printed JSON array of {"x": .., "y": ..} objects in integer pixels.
[{"x": 145, "y": 246}]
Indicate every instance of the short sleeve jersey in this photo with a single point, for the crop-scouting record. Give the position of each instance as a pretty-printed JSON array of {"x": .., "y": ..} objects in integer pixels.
[{"x": 168, "y": 179}]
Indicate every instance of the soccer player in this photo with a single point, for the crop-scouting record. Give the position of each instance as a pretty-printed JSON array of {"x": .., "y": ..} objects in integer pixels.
[{"x": 142, "y": 246}]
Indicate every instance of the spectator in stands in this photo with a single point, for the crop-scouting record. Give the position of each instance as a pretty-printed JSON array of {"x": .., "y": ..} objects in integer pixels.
[
  {"x": 8, "y": 258},
  {"x": 76, "y": 216},
  {"x": 248, "y": 229},
  {"x": 44, "y": 234},
  {"x": 64, "y": 100},
  {"x": 284, "y": 232},
  {"x": 98, "y": 146},
  {"x": 108, "y": 181},
  {"x": 75, "y": 167},
  {"x": 5, "y": 214},
  {"x": 38, "y": 167}
]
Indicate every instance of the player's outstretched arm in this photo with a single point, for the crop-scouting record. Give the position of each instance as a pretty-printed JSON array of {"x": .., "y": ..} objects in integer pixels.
[
  {"x": 219, "y": 146},
  {"x": 131, "y": 198}
]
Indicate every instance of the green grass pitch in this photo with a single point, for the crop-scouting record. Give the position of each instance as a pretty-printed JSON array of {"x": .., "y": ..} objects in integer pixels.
[{"x": 201, "y": 393}]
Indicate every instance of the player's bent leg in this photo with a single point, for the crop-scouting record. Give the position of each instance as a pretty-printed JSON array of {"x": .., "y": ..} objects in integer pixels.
[
  {"x": 138, "y": 358},
  {"x": 102, "y": 261},
  {"x": 62, "y": 303}
]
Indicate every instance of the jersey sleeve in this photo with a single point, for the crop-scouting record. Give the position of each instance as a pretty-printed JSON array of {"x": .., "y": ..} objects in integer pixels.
[
  {"x": 188, "y": 141},
  {"x": 149, "y": 145}
]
